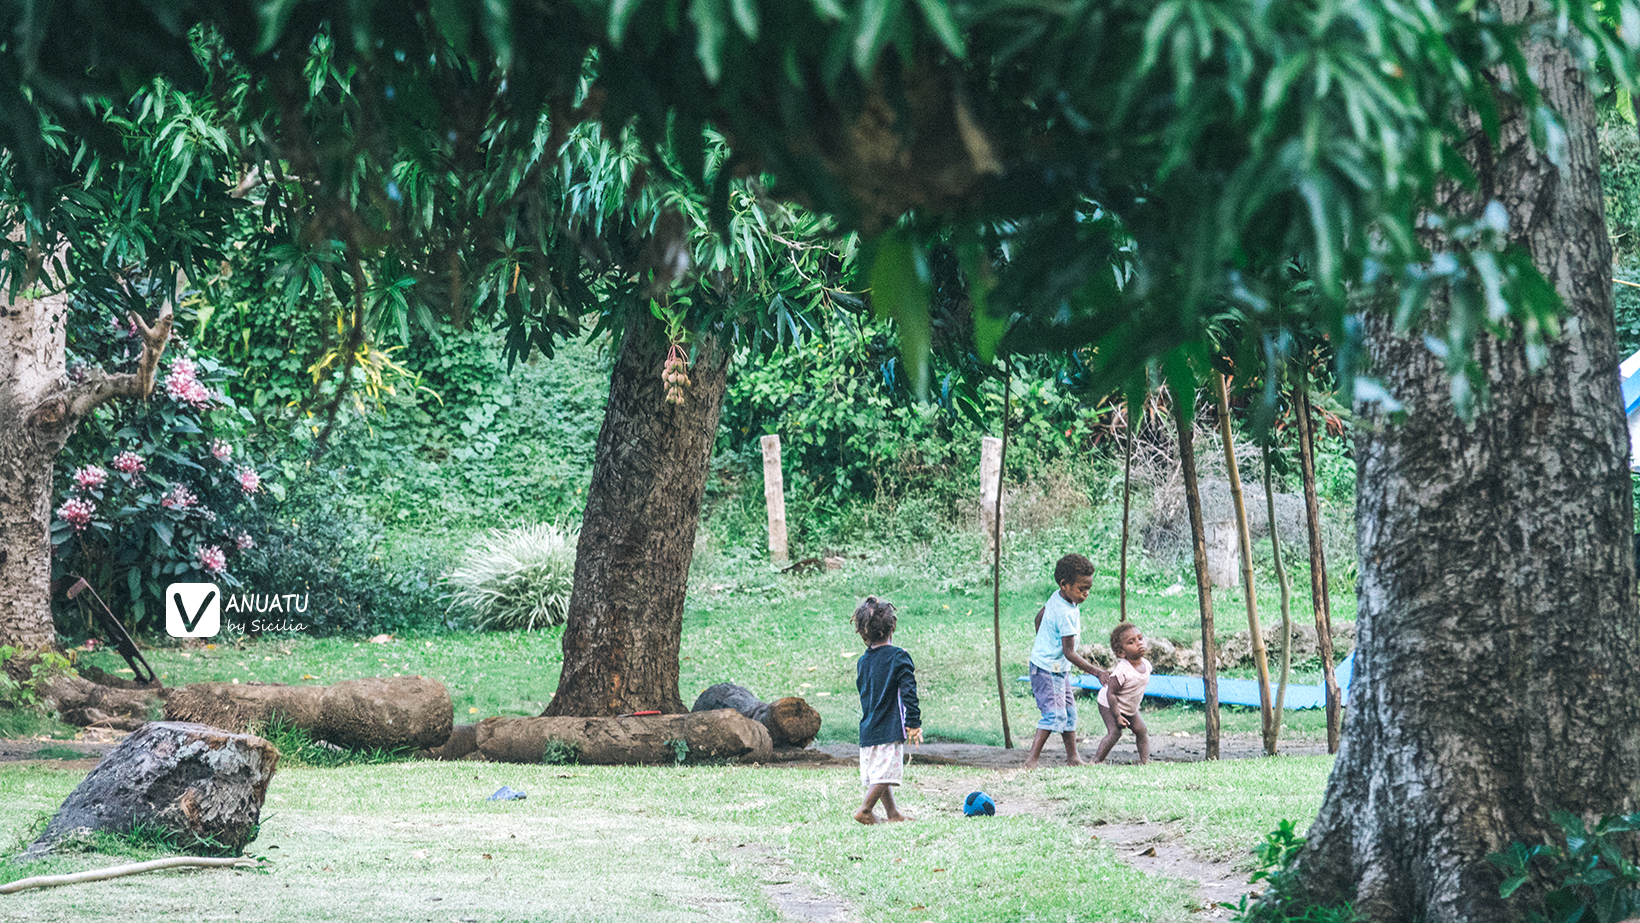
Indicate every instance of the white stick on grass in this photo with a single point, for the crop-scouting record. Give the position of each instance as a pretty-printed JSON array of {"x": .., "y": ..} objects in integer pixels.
[{"x": 120, "y": 871}]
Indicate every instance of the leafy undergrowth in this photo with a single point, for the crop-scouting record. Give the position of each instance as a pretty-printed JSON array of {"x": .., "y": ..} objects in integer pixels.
[
  {"x": 19, "y": 723},
  {"x": 299, "y": 750}
]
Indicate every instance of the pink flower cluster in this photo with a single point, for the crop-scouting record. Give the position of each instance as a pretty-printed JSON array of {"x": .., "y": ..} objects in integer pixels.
[
  {"x": 183, "y": 387},
  {"x": 178, "y": 498},
  {"x": 77, "y": 513},
  {"x": 221, "y": 451},
  {"x": 243, "y": 541},
  {"x": 90, "y": 477},
  {"x": 211, "y": 559},
  {"x": 128, "y": 463},
  {"x": 248, "y": 479}
]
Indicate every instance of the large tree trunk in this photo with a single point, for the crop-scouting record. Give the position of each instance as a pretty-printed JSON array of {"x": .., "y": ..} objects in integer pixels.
[
  {"x": 1497, "y": 667},
  {"x": 625, "y": 621},
  {"x": 39, "y": 409},
  {"x": 31, "y": 367}
]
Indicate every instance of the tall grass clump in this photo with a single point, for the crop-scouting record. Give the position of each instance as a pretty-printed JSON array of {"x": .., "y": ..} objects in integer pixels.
[{"x": 516, "y": 578}]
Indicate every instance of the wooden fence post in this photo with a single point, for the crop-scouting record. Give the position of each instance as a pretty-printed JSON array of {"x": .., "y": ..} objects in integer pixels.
[
  {"x": 774, "y": 495},
  {"x": 990, "y": 481}
]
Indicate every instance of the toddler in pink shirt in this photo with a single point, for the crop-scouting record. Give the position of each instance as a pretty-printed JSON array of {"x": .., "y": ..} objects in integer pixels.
[{"x": 1119, "y": 698}]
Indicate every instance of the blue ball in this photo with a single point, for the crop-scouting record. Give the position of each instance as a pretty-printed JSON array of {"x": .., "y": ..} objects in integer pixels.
[{"x": 978, "y": 803}]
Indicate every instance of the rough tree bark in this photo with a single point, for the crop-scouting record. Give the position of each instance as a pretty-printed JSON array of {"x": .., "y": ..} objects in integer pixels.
[
  {"x": 39, "y": 408},
  {"x": 625, "y": 621},
  {"x": 1497, "y": 667}
]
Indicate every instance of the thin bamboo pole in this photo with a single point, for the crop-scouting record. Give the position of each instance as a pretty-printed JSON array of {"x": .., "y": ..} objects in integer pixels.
[
  {"x": 1318, "y": 560},
  {"x": 1127, "y": 506},
  {"x": 1286, "y": 584},
  {"x": 996, "y": 557},
  {"x": 1204, "y": 587},
  {"x": 1244, "y": 538},
  {"x": 120, "y": 871}
]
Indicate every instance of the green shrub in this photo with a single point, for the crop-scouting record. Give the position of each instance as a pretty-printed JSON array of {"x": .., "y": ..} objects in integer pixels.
[
  {"x": 516, "y": 578},
  {"x": 322, "y": 544},
  {"x": 1588, "y": 877},
  {"x": 24, "y": 692},
  {"x": 561, "y": 752},
  {"x": 297, "y": 748},
  {"x": 1283, "y": 900}
]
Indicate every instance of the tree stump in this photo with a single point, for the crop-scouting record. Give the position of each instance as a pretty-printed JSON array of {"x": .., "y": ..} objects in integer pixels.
[
  {"x": 203, "y": 784},
  {"x": 724, "y": 734},
  {"x": 791, "y": 721},
  {"x": 385, "y": 712}
]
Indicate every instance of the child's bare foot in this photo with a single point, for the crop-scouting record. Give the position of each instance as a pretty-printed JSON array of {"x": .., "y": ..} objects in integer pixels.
[
  {"x": 897, "y": 818},
  {"x": 1030, "y": 764},
  {"x": 865, "y": 817}
]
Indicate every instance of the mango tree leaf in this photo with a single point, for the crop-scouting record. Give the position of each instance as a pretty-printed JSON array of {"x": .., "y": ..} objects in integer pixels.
[
  {"x": 938, "y": 14},
  {"x": 711, "y": 28},
  {"x": 899, "y": 288}
]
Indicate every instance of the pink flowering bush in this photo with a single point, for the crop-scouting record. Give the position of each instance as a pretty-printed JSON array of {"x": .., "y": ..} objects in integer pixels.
[
  {"x": 183, "y": 385},
  {"x": 77, "y": 513},
  {"x": 211, "y": 559},
  {"x": 128, "y": 463},
  {"x": 90, "y": 477},
  {"x": 153, "y": 493}
]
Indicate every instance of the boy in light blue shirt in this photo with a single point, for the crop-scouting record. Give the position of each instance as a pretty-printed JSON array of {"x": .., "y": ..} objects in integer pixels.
[{"x": 1053, "y": 653}]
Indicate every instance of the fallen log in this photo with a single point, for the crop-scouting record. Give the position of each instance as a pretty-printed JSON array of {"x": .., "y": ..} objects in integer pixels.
[
  {"x": 791, "y": 721},
  {"x": 202, "y": 784},
  {"x": 377, "y": 712},
  {"x": 724, "y": 734},
  {"x": 462, "y": 745},
  {"x": 83, "y": 703}
]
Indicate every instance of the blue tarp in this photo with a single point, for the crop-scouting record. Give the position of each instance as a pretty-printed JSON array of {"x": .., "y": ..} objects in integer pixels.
[{"x": 1234, "y": 691}]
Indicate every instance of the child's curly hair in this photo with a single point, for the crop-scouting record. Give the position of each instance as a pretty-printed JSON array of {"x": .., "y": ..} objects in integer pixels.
[
  {"x": 1070, "y": 567},
  {"x": 1120, "y": 632},
  {"x": 875, "y": 619}
]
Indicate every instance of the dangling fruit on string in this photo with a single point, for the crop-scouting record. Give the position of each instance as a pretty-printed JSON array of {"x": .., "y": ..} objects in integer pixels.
[{"x": 675, "y": 373}]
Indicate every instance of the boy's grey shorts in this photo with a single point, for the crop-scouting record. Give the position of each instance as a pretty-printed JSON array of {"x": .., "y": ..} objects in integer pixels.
[{"x": 1055, "y": 698}]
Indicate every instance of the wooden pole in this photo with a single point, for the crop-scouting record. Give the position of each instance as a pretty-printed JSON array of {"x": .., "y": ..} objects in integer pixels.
[
  {"x": 996, "y": 556},
  {"x": 1318, "y": 560},
  {"x": 1244, "y": 539},
  {"x": 1127, "y": 505},
  {"x": 774, "y": 496},
  {"x": 1204, "y": 586},
  {"x": 990, "y": 488},
  {"x": 1286, "y": 584}
]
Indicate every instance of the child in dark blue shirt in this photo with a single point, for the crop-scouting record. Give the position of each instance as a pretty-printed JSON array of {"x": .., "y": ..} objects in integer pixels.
[{"x": 889, "y": 714}]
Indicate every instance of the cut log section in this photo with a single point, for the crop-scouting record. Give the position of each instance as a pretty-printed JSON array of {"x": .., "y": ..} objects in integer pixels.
[
  {"x": 384, "y": 712},
  {"x": 202, "y": 784},
  {"x": 702, "y": 736},
  {"x": 791, "y": 721}
]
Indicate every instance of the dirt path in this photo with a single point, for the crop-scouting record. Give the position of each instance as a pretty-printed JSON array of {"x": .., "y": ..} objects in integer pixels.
[{"x": 1177, "y": 748}]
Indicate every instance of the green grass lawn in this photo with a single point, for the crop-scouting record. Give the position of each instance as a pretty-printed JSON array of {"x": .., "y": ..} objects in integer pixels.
[
  {"x": 776, "y": 635},
  {"x": 414, "y": 841},
  {"x": 417, "y": 840}
]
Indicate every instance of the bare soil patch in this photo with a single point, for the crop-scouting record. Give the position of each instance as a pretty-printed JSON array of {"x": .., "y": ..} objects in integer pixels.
[{"x": 1164, "y": 748}]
